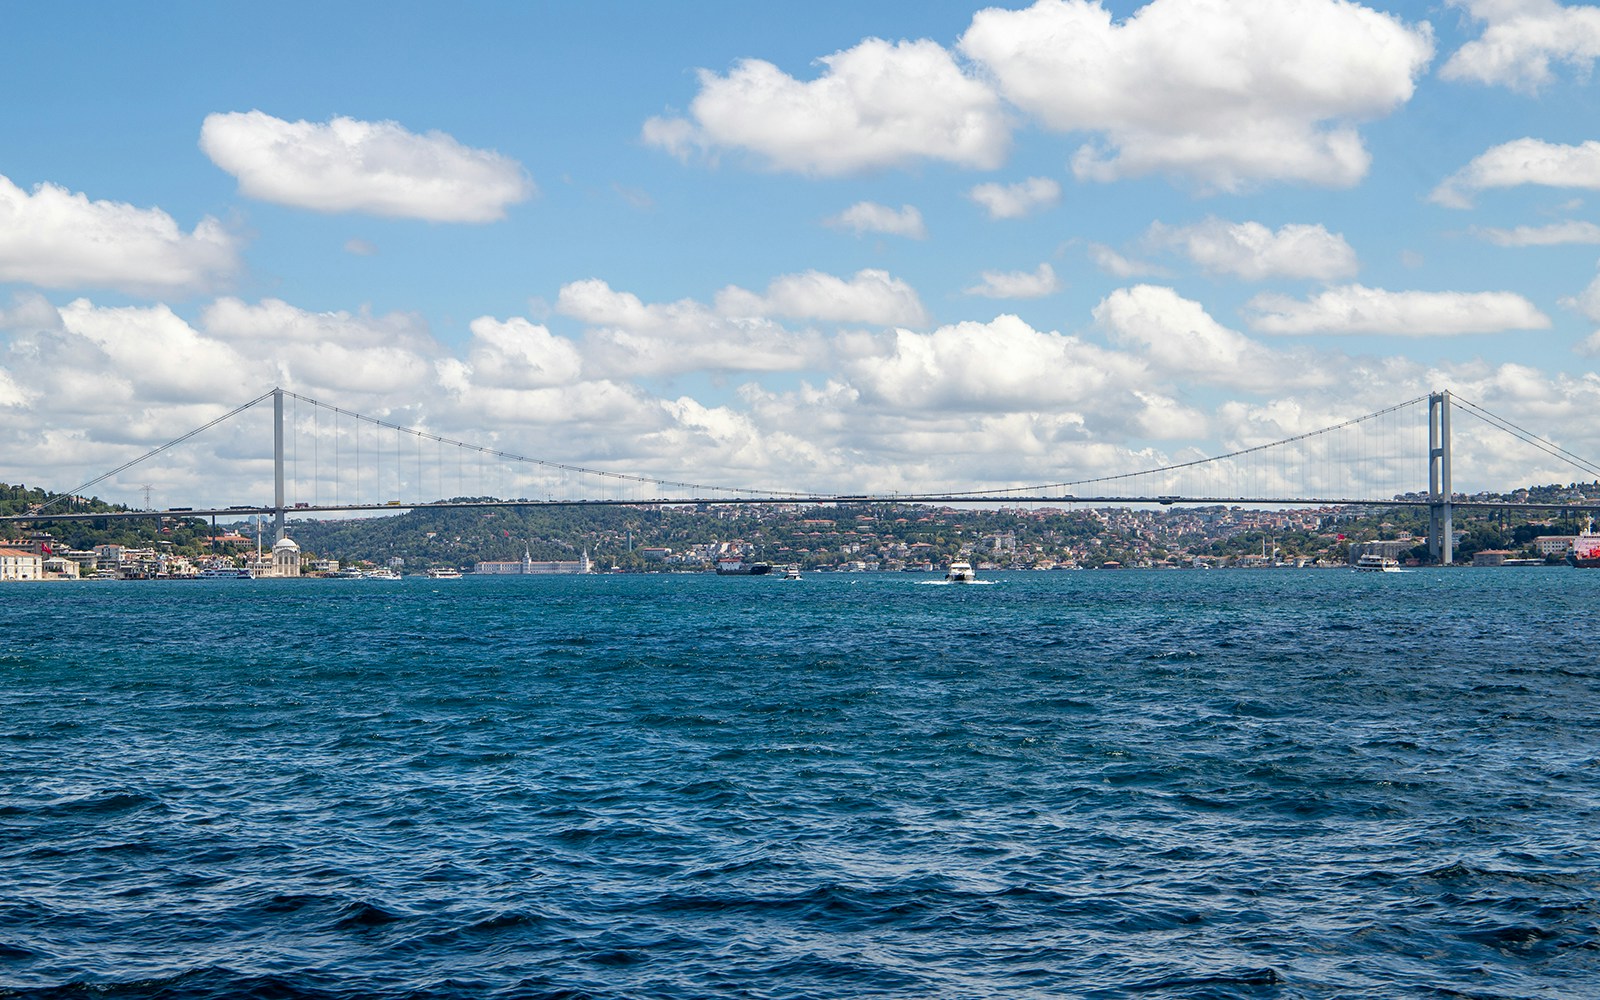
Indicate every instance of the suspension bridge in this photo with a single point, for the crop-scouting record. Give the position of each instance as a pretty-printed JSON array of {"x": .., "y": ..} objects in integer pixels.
[{"x": 328, "y": 460}]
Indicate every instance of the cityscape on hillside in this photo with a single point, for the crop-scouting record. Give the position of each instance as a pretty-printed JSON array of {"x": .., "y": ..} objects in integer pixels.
[{"x": 876, "y": 537}]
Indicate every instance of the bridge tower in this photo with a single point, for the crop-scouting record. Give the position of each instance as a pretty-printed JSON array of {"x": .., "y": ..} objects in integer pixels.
[
  {"x": 279, "y": 530},
  {"x": 1441, "y": 540}
]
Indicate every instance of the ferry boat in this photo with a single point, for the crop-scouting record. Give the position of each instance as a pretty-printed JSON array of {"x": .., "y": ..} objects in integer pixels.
[
  {"x": 738, "y": 567},
  {"x": 960, "y": 572},
  {"x": 444, "y": 573},
  {"x": 1371, "y": 562},
  {"x": 225, "y": 573},
  {"x": 1585, "y": 552}
]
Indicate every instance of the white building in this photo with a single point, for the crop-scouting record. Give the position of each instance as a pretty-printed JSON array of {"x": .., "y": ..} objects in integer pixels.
[
  {"x": 285, "y": 558},
  {"x": 15, "y": 564},
  {"x": 1554, "y": 545}
]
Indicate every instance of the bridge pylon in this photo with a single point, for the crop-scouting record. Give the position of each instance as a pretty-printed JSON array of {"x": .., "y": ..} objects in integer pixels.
[
  {"x": 1441, "y": 528},
  {"x": 280, "y": 531}
]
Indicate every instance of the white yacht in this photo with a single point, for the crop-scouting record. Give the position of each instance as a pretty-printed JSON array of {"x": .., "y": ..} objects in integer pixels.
[
  {"x": 960, "y": 572},
  {"x": 1371, "y": 562}
]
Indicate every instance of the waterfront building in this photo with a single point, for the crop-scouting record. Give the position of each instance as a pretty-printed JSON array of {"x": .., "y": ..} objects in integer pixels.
[
  {"x": 285, "y": 558},
  {"x": 528, "y": 566},
  {"x": 60, "y": 567},
  {"x": 1554, "y": 545},
  {"x": 15, "y": 564}
]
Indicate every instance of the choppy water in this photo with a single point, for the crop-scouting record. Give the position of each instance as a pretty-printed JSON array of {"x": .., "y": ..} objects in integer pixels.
[{"x": 1137, "y": 784}]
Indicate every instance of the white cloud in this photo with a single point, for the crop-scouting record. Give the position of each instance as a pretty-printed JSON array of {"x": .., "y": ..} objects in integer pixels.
[
  {"x": 1587, "y": 302},
  {"x": 1018, "y": 284},
  {"x": 338, "y": 352},
  {"x": 870, "y": 296},
  {"x": 879, "y": 104},
  {"x": 1226, "y": 92},
  {"x": 360, "y": 247},
  {"x": 1116, "y": 265},
  {"x": 378, "y": 168},
  {"x": 1555, "y": 234},
  {"x": 518, "y": 354},
  {"x": 627, "y": 337},
  {"x": 1522, "y": 161},
  {"x": 1014, "y": 201},
  {"x": 1001, "y": 365},
  {"x": 1253, "y": 252},
  {"x": 1178, "y": 337},
  {"x": 157, "y": 350},
  {"x": 55, "y": 238},
  {"x": 1357, "y": 309},
  {"x": 870, "y": 217},
  {"x": 1520, "y": 40}
]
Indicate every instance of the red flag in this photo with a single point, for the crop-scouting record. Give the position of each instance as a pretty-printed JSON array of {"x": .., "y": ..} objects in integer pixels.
[
  {"x": 46, "y": 549},
  {"x": 1341, "y": 538}
]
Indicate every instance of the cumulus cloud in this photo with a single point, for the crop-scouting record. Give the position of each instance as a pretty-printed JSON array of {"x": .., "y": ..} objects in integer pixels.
[
  {"x": 1018, "y": 284},
  {"x": 1555, "y": 234},
  {"x": 378, "y": 168},
  {"x": 1251, "y": 251},
  {"x": 1520, "y": 40},
  {"x": 55, "y": 238},
  {"x": 999, "y": 365},
  {"x": 1357, "y": 309},
  {"x": 1014, "y": 201},
  {"x": 627, "y": 337},
  {"x": 1522, "y": 161},
  {"x": 516, "y": 353},
  {"x": 156, "y": 349},
  {"x": 1177, "y": 336},
  {"x": 870, "y": 217},
  {"x": 339, "y": 351},
  {"x": 879, "y": 104},
  {"x": 869, "y": 296},
  {"x": 1225, "y": 92}
]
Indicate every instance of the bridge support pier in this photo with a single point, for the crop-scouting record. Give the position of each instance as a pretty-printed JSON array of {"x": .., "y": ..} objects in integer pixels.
[
  {"x": 279, "y": 530},
  {"x": 1441, "y": 528}
]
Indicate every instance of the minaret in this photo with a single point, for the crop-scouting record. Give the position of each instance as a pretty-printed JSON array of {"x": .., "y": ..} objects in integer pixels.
[{"x": 527, "y": 560}]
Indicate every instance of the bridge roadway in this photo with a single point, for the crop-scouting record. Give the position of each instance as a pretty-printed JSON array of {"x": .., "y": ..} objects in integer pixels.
[{"x": 297, "y": 510}]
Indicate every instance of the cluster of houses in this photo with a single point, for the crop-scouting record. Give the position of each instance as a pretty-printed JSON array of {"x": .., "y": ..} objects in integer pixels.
[{"x": 42, "y": 561}]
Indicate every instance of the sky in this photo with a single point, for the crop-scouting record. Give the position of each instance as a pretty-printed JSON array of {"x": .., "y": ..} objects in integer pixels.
[{"x": 823, "y": 246}]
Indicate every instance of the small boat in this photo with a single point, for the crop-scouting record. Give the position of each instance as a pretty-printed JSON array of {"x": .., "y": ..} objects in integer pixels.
[
  {"x": 791, "y": 573},
  {"x": 380, "y": 574},
  {"x": 960, "y": 572},
  {"x": 1371, "y": 562},
  {"x": 444, "y": 573}
]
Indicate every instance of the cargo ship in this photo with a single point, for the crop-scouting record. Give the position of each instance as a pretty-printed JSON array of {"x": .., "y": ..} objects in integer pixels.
[{"x": 1585, "y": 552}]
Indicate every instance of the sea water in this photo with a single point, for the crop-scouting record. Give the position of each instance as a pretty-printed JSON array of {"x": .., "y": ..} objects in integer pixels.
[{"x": 1096, "y": 784}]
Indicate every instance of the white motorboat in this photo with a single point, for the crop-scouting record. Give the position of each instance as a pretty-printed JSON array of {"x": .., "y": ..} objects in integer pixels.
[{"x": 960, "y": 572}]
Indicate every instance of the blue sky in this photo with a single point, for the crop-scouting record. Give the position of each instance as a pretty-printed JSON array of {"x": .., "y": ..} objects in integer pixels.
[{"x": 833, "y": 246}]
